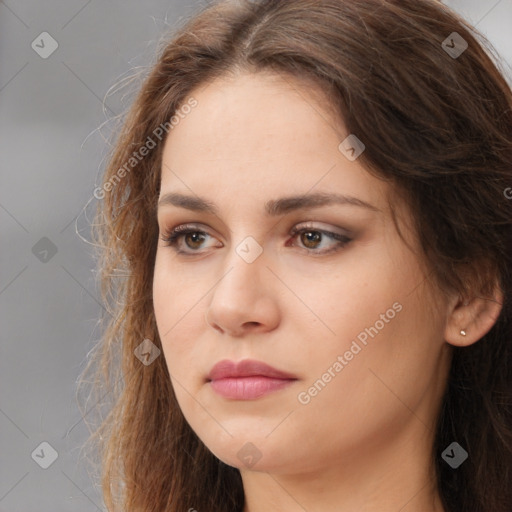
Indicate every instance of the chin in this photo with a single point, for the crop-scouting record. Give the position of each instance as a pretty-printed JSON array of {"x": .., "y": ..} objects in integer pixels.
[{"x": 254, "y": 452}]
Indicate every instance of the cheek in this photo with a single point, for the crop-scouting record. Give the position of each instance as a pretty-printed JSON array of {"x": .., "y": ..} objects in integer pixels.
[
  {"x": 176, "y": 312},
  {"x": 374, "y": 318},
  {"x": 164, "y": 299},
  {"x": 366, "y": 392},
  {"x": 175, "y": 292},
  {"x": 344, "y": 299}
]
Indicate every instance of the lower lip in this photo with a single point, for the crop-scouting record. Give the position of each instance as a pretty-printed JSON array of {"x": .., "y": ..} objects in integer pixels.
[{"x": 248, "y": 388}]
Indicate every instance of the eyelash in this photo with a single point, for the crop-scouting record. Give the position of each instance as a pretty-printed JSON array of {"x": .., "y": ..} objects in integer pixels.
[{"x": 172, "y": 237}]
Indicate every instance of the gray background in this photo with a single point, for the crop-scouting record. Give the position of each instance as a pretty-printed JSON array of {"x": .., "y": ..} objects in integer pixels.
[{"x": 55, "y": 114}]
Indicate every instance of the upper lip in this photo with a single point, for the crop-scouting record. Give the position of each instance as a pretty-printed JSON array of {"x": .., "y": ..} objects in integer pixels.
[{"x": 246, "y": 368}]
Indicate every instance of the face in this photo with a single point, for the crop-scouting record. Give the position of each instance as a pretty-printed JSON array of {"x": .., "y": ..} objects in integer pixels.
[{"x": 325, "y": 291}]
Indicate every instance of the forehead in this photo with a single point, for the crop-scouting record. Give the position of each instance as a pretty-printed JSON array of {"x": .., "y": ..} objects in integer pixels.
[
  {"x": 255, "y": 111},
  {"x": 260, "y": 133}
]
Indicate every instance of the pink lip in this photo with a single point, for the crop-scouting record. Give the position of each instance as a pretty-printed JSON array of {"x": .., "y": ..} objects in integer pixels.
[{"x": 247, "y": 380}]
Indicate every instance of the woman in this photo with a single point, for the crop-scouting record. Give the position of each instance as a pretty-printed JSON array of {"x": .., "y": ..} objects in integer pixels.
[{"x": 308, "y": 207}]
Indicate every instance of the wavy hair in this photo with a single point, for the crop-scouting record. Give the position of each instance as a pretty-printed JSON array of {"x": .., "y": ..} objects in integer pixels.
[{"x": 437, "y": 126}]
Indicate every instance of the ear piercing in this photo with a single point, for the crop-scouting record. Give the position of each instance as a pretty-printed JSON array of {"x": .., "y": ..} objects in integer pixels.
[{"x": 463, "y": 332}]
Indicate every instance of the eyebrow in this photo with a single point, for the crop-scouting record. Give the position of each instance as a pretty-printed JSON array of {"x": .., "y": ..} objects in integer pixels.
[{"x": 274, "y": 207}]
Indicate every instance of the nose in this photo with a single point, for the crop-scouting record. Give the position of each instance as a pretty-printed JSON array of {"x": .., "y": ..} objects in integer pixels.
[{"x": 245, "y": 299}]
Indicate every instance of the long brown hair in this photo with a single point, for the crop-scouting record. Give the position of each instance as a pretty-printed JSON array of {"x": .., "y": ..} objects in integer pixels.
[{"x": 437, "y": 125}]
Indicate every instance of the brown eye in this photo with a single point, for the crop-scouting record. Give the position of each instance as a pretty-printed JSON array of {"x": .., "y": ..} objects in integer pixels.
[
  {"x": 194, "y": 239},
  {"x": 312, "y": 239},
  {"x": 190, "y": 235}
]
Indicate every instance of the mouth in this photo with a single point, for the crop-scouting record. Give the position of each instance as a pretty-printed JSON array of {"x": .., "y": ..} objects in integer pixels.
[{"x": 247, "y": 380}]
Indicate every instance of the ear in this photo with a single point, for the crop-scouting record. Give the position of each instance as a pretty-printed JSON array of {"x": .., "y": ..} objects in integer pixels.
[{"x": 475, "y": 317}]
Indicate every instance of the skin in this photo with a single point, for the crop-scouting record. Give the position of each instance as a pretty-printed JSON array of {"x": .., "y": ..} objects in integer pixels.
[{"x": 364, "y": 441}]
